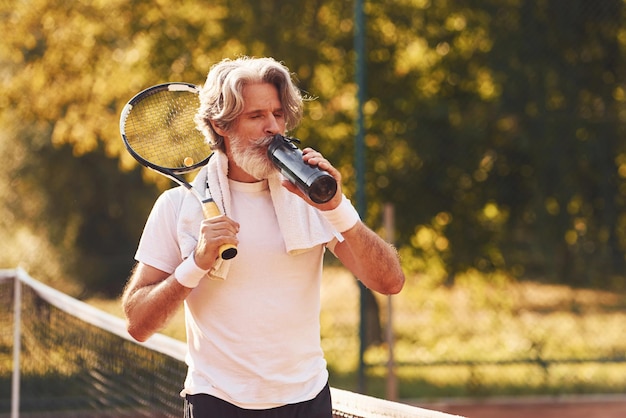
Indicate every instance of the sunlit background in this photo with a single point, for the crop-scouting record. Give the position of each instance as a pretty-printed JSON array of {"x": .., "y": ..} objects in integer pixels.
[{"x": 495, "y": 129}]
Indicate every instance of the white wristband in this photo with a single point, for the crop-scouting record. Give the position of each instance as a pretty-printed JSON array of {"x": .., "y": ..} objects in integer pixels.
[
  {"x": 343, "y": 217},
  {"x": 188, "y": 273}
]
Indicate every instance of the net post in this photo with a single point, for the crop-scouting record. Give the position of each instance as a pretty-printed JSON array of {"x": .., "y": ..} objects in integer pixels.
[
  {"x": 17, "y": 346},
  {"x": 359, "y": 47},
  {"x": 391, "y": 387}
]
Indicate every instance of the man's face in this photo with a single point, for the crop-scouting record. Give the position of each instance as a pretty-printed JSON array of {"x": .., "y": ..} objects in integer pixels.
[{"x": 247, "y": 141}]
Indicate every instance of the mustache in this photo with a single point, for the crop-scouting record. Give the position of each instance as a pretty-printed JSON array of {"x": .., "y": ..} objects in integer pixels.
[{"x": 263, "y": 142}]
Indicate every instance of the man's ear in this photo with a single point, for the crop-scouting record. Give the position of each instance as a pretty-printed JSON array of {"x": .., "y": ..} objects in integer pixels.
[{"x": 220, "y": 131}]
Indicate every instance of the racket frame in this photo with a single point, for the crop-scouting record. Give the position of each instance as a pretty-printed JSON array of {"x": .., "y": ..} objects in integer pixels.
[{"x": 209, "y": 207}]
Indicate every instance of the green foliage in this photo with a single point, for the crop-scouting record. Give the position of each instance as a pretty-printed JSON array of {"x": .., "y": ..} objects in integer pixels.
[
  {"x": 502, "y": 119},
  {"x": 485, "y": 335}
]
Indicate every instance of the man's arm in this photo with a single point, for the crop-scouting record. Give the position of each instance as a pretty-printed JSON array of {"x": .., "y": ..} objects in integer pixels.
[
  {"x": 363, "y": 252},
  {"x": 152, "y": 296},
  {"x": 371, "y": 259},
  {"x": 150, "y": 299}
]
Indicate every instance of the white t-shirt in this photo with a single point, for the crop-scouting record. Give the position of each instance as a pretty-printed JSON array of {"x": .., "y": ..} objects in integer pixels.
[{"x": 254, "y": 338}]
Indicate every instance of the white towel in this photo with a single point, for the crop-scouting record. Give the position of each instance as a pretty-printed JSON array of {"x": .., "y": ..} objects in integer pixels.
[{"x": 302, "y": 226}]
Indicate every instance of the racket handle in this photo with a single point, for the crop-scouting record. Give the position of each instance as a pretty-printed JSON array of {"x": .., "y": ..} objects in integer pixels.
[{"x": 210, "y": 210}]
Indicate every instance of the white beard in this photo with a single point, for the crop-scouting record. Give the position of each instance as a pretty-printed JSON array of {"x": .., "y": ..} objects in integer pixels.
[{"x": 251, "y": 156}]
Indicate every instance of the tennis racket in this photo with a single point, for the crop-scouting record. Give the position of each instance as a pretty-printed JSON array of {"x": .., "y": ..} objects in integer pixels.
[{"x": 158, "y": 129}]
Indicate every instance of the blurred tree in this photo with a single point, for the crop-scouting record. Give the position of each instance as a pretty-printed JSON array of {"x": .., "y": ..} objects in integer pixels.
[
  {"x": 497, "y": 124},
  {"x": 63, "y": 80},
  {"x": 67, "y": 70}
]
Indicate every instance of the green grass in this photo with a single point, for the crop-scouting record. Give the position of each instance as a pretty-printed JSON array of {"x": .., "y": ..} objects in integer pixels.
[{"x": 449, "y": 339}]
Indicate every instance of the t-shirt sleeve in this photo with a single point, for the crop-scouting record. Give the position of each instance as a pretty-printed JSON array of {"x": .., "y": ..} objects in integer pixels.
[
  {"x": 332, "y": 244},
  {"x": 158, "y": 246}
]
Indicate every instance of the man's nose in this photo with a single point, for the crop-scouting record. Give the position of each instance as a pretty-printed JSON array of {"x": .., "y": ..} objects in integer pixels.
[{"x": 272, "y": 127}]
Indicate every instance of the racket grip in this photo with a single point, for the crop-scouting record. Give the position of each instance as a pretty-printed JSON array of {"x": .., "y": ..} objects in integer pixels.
[{"x": 210, "y": 210}]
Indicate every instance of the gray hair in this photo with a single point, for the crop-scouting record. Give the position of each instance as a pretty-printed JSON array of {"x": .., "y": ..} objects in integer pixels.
[{"x": 221, "y": 98}]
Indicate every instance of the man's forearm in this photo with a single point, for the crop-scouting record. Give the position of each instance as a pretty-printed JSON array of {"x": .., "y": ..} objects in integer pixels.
[
  {"x": 372, "y": 260},
  {"x": 149, "y": 308}
]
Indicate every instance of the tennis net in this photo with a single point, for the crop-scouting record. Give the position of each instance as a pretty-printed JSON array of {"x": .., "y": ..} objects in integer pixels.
[{"x": 73, "y": 360}]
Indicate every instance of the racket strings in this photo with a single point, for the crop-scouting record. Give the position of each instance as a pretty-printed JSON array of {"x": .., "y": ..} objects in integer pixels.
[{"x": 161, "y": 129}]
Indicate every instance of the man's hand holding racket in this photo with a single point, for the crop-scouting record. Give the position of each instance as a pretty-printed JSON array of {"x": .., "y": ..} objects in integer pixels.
[{"x": 216, "y": 233}]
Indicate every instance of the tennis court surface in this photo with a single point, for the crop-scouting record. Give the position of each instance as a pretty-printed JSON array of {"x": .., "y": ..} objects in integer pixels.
[{"x": 612, "y": 406}]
